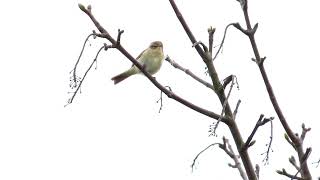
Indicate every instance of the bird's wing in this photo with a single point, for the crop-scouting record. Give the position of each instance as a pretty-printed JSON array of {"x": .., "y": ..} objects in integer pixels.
[{"x": 139, "y": 56}]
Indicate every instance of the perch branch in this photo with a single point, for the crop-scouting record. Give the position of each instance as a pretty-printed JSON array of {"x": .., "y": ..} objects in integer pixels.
[{"x": 170, "y": 94}]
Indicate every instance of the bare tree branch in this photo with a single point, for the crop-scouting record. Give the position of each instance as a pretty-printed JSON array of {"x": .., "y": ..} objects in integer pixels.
[
  {"x": 228, "y": 149},
  {"x": 197, "y": 156},
  {"x": 222, "y": 42},
  {"x": 188, "y": 72},
  {"x": 76, "y": 65},
  {"x": 224, "y": 106},
  {"x": 211, "y": 32},
  {"x": 317, "y": 162},
  {"x": 296, "y": 141},
  {"x": 161, "y": 98},
  {"x": 261, "y": 121},
  {"x": 304, "y": 131},
  {"x": 188, "y": 31},
  {"x": 220, "y": 93},
  {"x": 267, "y": 153},
  {"x": 293, "y": 161},
  {"x": 170, "y": 94},
  {"x": 284, "y": 172},
  {"x": 257, "y": 171},
  {"x": 75, "y": 79},
  {"x": 236, "y": 109}
]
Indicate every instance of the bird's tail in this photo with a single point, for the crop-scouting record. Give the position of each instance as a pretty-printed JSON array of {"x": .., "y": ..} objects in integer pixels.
[{"x": 123, "y": 76}]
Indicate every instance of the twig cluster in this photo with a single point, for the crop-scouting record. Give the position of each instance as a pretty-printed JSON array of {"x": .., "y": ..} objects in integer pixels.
[
  {"x": 303, "y": 156},
  {"x": 75, "y": 80},
  {"x": 261, "y": 121}
]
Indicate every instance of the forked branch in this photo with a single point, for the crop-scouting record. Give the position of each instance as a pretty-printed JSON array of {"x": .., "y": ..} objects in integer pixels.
[{"x": 104, "y": 34}]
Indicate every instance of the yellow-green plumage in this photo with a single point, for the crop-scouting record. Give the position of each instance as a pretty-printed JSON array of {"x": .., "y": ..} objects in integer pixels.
[{"x": 151, "y": 59}]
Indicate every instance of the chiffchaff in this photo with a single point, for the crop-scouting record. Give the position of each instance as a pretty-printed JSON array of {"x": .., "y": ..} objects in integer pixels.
[{"x": 151, "y": 59}]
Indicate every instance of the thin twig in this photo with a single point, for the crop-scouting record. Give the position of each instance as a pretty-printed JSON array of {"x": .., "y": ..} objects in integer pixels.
[
  {"x": 228, "y": 148},
  {"x": 266, "y": 158},
  {"x": 257, "y": 170},
  {"x": 284, "y": 172},
  {"x": 197, "y": 156},
  {"x": 261, "y": 121},
  {"x": 304, "y": 131},
  {"x": 317, "y": 162},
  {"x": 188, "y": 72},
  {"x": 236, "y": 109},
  {"x": 85, "y": 74},
  {"x": 293, "y": 161},
  {"x": 213, "y": 132},
  {"x": 77, "y": 62},
  {"x": 222, "y": 42},
  {"x": 161, "y": 100}
]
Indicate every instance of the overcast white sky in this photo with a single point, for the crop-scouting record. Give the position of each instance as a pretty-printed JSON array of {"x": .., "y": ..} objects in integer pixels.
[{"x": 116, "y": 132}]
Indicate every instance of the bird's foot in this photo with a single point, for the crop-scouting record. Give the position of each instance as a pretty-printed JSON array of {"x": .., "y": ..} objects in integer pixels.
[{"x": 143, "y": 66}]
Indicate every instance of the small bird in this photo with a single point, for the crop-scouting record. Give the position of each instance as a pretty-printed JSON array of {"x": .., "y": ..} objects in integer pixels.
[{"x": 151, "y": 59}]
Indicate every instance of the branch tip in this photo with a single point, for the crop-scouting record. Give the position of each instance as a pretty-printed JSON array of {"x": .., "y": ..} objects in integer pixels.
[
  {"x": 89, "y": 7},
  {"x": 252, "y": 143},
  {"x": 255, "y": 28},
  {"x": 211, "y": 30},
  {"x": 81, "y": 6}
]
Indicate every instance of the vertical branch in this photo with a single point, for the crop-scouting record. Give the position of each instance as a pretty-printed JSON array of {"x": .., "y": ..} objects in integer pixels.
[
  {"x": 219, "y": 90},
  {"x": 297, "y": 142}
]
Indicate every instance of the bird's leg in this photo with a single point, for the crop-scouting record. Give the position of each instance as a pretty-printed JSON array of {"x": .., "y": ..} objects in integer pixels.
[{"x": 144, "y": 67}]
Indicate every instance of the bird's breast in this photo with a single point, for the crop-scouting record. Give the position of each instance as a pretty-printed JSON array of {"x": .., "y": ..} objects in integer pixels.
[{"x": 153, "y": 61}]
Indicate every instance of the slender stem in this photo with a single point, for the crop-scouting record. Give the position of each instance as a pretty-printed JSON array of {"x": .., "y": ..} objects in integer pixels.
[{"x": 187, "y": 71}]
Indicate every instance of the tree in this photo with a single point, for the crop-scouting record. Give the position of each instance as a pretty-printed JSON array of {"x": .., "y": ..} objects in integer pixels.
[{"x": 227, "y": 115}]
